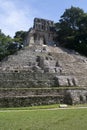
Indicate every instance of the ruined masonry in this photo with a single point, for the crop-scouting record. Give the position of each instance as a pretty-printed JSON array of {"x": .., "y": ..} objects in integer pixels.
[
  {"x": 42, "y": 73},
  {"x": 43, "y": 32}
]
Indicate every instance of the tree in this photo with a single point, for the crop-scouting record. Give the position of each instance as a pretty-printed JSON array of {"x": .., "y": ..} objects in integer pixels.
[
  {"x": 4, "y": 40},
  {"x": 8, "y": 45},
  {"x": 69, "y": 24},
  {"x": 82, "y": 31},
  {"x": 20, "y": 36},
  {"x": 72, "y": 30}
]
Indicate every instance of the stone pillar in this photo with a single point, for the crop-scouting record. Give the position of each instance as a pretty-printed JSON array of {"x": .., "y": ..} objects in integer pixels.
[
  {"x": 31, "y": 40},
  {"x": 41, "y": 40}
]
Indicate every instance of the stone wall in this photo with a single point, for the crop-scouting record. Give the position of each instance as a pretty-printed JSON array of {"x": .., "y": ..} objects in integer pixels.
[
  {"x": 43, "y": 32},
  {"x": 28, "y": 101},
  {"x": 43, "y": 24},
  {"x": 29, "y": 97},
  {"x": 76, "y": 96}
]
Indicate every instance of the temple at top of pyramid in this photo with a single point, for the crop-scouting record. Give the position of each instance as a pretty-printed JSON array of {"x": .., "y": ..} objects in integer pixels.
[{"x": 43, "y": 32}]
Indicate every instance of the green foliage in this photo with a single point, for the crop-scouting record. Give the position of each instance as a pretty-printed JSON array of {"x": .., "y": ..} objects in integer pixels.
[
  {"x": 72, "y": 30},
  {"x": 4, "y": 40},
  {"x": 20, "y": 36},
  {"x": 12, "y": 48},
  {"x": 71, "y": 17},
  {"x": 8, "y": 45}
]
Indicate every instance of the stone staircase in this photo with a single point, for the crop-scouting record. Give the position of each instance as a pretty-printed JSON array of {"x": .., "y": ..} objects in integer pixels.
[{"x": 24, "y": 75}]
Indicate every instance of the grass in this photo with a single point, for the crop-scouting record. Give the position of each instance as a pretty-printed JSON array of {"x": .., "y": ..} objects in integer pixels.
[{"x": 39, "y": 119}]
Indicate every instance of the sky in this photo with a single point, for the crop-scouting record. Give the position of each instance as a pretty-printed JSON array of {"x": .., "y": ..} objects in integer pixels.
[{"x": 17, "y": 15}]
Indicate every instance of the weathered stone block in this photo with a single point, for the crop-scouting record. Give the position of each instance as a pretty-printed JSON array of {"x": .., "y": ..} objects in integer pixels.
[
  {"x": 65, "y": 81},
  {"x": 75, "y": 96}
]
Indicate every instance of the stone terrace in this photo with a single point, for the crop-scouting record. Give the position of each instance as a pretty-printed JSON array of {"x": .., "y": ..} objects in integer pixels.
[
  {"x": 42, "y": 67},
  {"x": 46, "y": 64}
]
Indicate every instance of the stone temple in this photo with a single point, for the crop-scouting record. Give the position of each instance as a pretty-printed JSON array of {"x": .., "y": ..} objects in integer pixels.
[
  {"x": 43, "y": 32},
  {"x": 42, "y": 73}
]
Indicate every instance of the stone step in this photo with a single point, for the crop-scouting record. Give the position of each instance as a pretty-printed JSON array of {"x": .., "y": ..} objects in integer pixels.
[
  {"x": 29, "y": 101},
  {"x": 31, "y": 96},
  {"x": 38, "y": 96},
  {"x": 30, "y": 92}
]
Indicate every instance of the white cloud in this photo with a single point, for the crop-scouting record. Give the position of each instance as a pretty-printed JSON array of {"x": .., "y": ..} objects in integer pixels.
[{"x": 13, "y": 17}]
